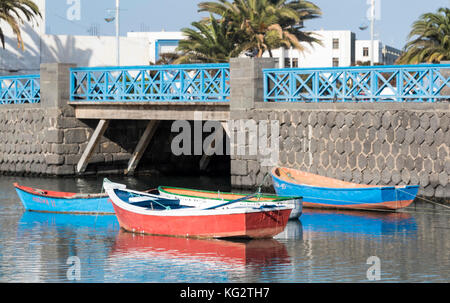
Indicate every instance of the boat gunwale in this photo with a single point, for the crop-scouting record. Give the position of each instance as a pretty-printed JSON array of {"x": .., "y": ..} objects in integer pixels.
[
  {"x": 269, "y": 196},
  {"x": 33, "y": 191},
  {"x": 186, "y": 212},
  {"x": 362, "y": 186}
]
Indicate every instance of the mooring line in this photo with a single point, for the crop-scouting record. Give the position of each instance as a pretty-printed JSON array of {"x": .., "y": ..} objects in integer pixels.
[{"x": 424, "y": 199}]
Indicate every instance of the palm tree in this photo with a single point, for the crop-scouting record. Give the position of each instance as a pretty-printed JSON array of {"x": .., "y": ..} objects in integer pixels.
[
  {"x": 14, "y": 12},
  {"x": 166, "y": 58},
  {"x": 209, "y": 42},
  {"x": 251, "y": 26},
  {"x": 263, "y": 25},
  {"x": 430, "y": 39}
]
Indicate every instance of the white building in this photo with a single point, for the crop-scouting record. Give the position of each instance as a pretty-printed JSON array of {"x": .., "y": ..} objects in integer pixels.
[
  {"x": 383, "y": 54},
  {"x": 80, "y": 50},
  {"x": 159, "y": 42},
  {"x": 338, "y": 48}
]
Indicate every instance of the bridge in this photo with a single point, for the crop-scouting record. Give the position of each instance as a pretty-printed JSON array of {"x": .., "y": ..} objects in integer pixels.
[
  {"x": 209, "y": 84},
  {"x": 178, "y": 92}
]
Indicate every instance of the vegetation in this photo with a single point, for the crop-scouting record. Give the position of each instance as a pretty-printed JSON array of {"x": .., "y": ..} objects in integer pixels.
[
  {"x": 166, "y": 59},
  {"x": 250, "y": 26},
  {"x": 210, "y": 41},
  {"x": 13, "y": 13},
  {"x": 430, "y": 39}
]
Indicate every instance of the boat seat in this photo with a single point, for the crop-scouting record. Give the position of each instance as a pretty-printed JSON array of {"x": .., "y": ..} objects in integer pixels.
[{"x": 141, "y": 199}]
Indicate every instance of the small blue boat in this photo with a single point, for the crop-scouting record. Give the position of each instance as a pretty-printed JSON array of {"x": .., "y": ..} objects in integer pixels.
[
  {"x": 324, "y": 192},
  {"x": 34, "y": 199}
]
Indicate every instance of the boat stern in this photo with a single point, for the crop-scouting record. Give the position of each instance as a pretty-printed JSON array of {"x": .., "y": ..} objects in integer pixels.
[{"x": 274, "y": 223}]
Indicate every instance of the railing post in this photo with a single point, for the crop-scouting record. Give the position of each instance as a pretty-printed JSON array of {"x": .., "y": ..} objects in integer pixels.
[
  {"x": 31, "y": 96},
  {"x": 181, "y": 72},
  {"x": 430, "y": 94},
  {"x": 372, "y": 85},
  {"x": 106, "y": 92},
  {"x": 316, "y": 85},
  {"x": 224, "y": 82},
  {"x": 400, "y": 85},
  {"x": 202, "y": 85},
  {"x": 291, "y": 86}
]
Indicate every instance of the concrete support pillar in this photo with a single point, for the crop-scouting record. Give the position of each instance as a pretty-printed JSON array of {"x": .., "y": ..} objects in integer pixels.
[
  {"x": 446, "y": 73},
  {"x": 246, "y": 81},
  {"x": 247, "y": 89},
  {"x": 55, "y": 84}
]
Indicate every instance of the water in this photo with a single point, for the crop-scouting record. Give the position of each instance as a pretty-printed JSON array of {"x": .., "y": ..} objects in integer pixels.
[{"x": 323, "y": 246}]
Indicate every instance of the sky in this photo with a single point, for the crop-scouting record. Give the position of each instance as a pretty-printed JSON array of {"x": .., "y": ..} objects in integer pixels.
[{"x": 392, "y": 27}]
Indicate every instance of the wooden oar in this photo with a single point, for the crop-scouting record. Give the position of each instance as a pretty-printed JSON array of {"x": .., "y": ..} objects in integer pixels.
[
  {"x": 288, "y": 175},
  {"x": 231, "y": 202}
]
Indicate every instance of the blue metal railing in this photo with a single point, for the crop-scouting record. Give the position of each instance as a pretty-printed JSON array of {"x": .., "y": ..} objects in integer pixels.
[
  {"x": 20, "y": 89},
  {"x": 395, "y": 83},
  {"x": 178, "y": 83}
]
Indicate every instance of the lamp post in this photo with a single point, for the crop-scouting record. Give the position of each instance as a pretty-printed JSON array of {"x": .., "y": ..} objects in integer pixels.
[
  {"x": 117, "y": 19},
  {"x": 117, "y": 33},
  {"x": 372, "y": 21}
]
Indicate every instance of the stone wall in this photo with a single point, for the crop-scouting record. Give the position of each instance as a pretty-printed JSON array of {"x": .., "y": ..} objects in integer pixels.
[
  {"x": 35, "y": 140},
  {"x": 371, "y": 143},
  {"x": 383, "y": 143}
]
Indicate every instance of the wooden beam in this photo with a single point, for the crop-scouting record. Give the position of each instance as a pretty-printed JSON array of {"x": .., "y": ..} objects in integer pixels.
[
  {"x": 142, "y": 146},
  {"x": 92, "y": 144},
  {"x": 154, "y": 111},
  {"x": 204, "y": 161}
]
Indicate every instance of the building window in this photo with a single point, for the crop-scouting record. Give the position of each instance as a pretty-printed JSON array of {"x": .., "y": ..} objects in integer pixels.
[
  {"x": 335, "y": 62},
  {"x": 287, "y": 62},
  {"x": 294, "y": 62},
  {"x": 335, "y": 43},
  {"x": 365, "y": 52}
]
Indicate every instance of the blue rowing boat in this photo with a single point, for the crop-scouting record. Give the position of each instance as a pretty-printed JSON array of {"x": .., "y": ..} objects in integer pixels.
[
  {"x": 324, "y": 192},
  {"x": 34, "y": 199}
]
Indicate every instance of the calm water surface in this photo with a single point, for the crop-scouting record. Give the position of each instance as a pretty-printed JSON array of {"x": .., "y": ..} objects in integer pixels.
[{"x": 323, "y": 246}]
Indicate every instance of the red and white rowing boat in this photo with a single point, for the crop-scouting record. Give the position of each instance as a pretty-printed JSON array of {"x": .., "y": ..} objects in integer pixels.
[{"x": 150, "y": 214}]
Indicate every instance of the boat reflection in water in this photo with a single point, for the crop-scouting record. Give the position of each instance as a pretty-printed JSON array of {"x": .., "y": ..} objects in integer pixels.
[
  {"x": 48, "y": 221},
  {"x": 369, "y": 223},
  {"x": 174, "y": 259},
  {"x": 293, "y": 231},
  {"x": 45, "y": 241}
]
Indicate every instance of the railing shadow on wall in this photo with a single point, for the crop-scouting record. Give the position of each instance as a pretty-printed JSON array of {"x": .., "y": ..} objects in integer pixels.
[
  {"x": 172, "y": 83},
  {"x": 396, "y": 83}
]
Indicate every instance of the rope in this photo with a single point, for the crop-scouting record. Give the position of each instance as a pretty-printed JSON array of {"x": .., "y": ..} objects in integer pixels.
[
  {"x": 160, "y": 204},
  {"x": 424, "y": 199},
  {"x": 258, "y": 192},
  {"x": 288, "y": 174}
]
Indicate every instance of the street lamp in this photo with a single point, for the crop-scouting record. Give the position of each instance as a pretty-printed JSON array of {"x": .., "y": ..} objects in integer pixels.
[
  {"x": 117, "y": 19},
  {"x": 372, "y": 21},
  {"x": 364, "y": 26}
]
